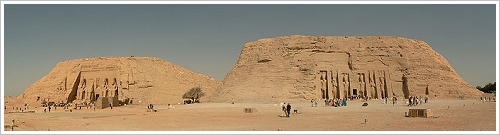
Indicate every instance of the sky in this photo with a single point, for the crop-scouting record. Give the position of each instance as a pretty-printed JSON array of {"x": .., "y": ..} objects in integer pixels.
[{"x": 208, "y": 39}]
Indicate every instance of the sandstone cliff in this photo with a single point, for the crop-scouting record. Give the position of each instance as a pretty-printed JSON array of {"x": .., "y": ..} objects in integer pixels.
[
  {"x": 145, "y": 79},
  {"x": 307, "y": 67}
]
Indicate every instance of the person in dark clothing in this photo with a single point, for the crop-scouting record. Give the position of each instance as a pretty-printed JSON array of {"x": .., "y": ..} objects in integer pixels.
[{"x": 288, "y": 108}]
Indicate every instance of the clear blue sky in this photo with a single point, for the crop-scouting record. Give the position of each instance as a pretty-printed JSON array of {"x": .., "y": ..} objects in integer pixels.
[{"x": 207, "y": 39}]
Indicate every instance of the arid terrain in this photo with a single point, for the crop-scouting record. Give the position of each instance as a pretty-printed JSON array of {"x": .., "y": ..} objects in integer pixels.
[{"x": 448, "y": 115}]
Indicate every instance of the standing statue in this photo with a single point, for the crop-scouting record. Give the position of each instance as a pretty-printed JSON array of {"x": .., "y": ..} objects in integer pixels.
[
  {"x": 346, "y": 84},
  {"x": 334, "y": 86},
  {"x": 382, "y": 89},
  {"x": 323, "y": 85},
  {"x": 373, "y": 87}
]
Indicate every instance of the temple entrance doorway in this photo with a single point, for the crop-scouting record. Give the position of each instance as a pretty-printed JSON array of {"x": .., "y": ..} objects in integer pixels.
[
  {"x": 354, "y": 92},
  {"x": 96, "y": 97}
]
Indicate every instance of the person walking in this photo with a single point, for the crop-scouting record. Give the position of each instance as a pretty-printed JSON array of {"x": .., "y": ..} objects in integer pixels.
[
  {"x": 288, "y": 108},
  {"x": 283, "y": 109}
]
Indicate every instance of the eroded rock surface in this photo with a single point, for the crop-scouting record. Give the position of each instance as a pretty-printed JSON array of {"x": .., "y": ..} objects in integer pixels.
[
  {"x": 127, "y": 79},
  {"x": 307, "y": 67}
]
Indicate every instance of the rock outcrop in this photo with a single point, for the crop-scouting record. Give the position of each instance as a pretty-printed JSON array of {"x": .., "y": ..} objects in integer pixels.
[
  {"x": 307, "y": 67},
  {"x": 127, "y": 79}
]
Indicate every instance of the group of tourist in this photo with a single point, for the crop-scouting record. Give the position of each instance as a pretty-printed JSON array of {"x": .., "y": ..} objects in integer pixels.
[
  {"x": 18, "y": 108},
  {"x": 150, "y": 106},
  {"x": 414, "y": 100},
  {"x": 285, "y": 108},
  {"x": 314, "y": 102},
  {"x": 336, "y": 102},
  {"x": 484, "y": 99}
]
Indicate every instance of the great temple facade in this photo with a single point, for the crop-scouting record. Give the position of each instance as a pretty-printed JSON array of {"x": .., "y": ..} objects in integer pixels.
[{"x": 328, "y": 67}]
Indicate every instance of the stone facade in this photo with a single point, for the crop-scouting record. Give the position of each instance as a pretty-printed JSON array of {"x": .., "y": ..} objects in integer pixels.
[
  {"x": 309, "y": 67},
  {"x": 117, "y": 80}
]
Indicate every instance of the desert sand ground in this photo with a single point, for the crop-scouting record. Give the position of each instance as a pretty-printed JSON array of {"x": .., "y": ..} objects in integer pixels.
[{"x": 448, "y": 115}]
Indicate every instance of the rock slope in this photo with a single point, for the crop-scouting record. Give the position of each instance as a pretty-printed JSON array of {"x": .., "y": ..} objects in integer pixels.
[
  {"x": 307, "y": 67},
  {"x": 135, "y": 79}
]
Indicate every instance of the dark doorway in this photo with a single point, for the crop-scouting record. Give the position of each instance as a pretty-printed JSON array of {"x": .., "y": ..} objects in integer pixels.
[
  {"x": 354, "y": 92},
  {"x": 96, "y": 96}
]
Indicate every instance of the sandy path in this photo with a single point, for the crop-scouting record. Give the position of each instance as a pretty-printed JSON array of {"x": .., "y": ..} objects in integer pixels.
[{"x": 462, "y": 115}]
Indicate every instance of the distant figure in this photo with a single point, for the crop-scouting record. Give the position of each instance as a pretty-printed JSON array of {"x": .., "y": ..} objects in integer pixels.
[
  {"x": 49, "y": 108},
  {"x": 316, "y": 103},
  {"x": 288, "y": 108},
  {"x": 232, "y": 101},
  {"x": 393, "y": 101},
  {"x": 111, "y": 106},
  {"x": 283, "y": 109},
  {"x": 410, "y": 101},
  {"x": 344, "y": 102},
  {"x": 94, "y": 106}
]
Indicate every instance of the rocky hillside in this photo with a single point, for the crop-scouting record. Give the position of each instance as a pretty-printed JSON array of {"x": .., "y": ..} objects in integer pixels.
[
  {"x": 307, "y": 67},
  {"x": 139, "y": 79}
]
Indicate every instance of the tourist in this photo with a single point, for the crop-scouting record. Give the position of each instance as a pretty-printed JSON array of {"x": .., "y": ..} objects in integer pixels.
[
  {"x": 415, "y": 100},
  {"x": 420, "y": 100},
  {"x": 94, "y": 106},
  {"x": 288, "y": 108},
  {"x": 316, "y": 102},
  {"x": 393, "y": 101},
  {"x": 283, "y": 109},
  {"x": 410, "y": 101},
  {"x": 326, "y": 102},
  {"x": 232, "y": 101},
  {"x": 49, "y": 108},
  {"x": 344, "y": 102},
  {"x": 425, "y": 99},
  {"x": 111, "y": 106}
]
